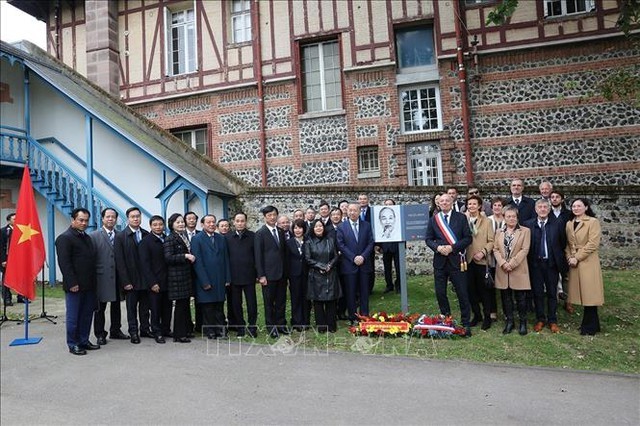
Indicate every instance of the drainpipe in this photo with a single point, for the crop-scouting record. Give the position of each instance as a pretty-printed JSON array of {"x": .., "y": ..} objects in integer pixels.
[
  {"x": 464, "y": 101},
  {"x": 58, "y": 34},
  {"x": 257, "y": 71}
]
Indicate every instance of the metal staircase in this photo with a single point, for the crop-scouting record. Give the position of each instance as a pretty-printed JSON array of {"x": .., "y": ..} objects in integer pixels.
[{"x": 53, "y": 180}]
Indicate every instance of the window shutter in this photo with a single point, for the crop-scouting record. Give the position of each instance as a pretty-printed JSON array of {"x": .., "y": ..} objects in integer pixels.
[{"x": 167, "y": 42}]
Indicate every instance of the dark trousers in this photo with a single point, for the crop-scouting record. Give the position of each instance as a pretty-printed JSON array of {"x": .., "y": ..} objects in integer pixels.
[
  {"x": 80, "y": 306},
  {"x": 325, "y": 315},
  {"x": 358, "y": 282},
  {"x": 160, "y": 306},
  {"x": 493, "y": 305},
  {"x": 300, "y": 306},
  {"x": 275, "y": 303},
  {"x": 213, "y": 320},
  {"x": 198, "y": 317},
  {"x": 181, "y": 321},
  {"x": 249, "y": 292},
  {"x": 521, "y": 303},
  {"x": 544, "y": 283},
  {"x": 115, "y": 315},
  {"x": 479, "y": 294},
  {"x": 342, "y": 302},
  {"x": 137, "y": 302},
  {"x": 590, "y": 321},
  {"x": 387, "y": 260},
  {"x": 460, "y": 285},
  {"x": 232, "y": 320},
  {"x": 372, "y": 276},
  {"x": 6, "y": 293}
]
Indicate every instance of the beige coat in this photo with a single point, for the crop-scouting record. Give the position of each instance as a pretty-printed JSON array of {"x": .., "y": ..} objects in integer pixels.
[
  {"x": 585, "y": 280},
  {"x": 518, "y": 278},
  {"x": 482, "y": 241}
]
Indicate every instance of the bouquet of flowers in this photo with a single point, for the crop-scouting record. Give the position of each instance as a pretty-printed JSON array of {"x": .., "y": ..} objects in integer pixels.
[
  {"x": 437, "y": 326},
  {"x": 383, "y": 324}
]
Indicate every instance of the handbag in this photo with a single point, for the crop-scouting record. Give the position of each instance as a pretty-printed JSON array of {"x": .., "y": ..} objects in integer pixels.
[{"x": 488, "y": 278}]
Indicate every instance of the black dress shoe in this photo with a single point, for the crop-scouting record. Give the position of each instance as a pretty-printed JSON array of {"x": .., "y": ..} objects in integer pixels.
[
  {"x": 523, "y": 328},
  {"x": 486, "y": 324},
  {"x": 90, "y": 346},
  {"x": 21, "y": 299},
  {"x": 475, "y": 321},
  {"x": 149, "y": 334},
  {"x": 467, "y": 332},
  {"x": 508, "y": 327},
  {"x": 159, "y": 339},
  {"x": 135, "y": 338},
  {"x": 284, "y": 330},
  {"x": 118, "y": 335},
  {"x": 181, "y": 339},
  {"x": 77, "y": 350},
  {"x": 101, "y": 340},
  {"x": 274, "y": 334},
  {"x": 252, "y": 332}
]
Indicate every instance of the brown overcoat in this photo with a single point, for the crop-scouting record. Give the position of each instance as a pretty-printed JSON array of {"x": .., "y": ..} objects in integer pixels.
[
  {"x": 518, "y": 278},
  {"x": 585, "y": 280},
  {"x": 482, "y": 241}
]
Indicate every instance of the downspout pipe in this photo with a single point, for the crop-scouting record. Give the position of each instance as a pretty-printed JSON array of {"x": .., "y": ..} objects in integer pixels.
[
  {"x": 257, "y": 67},
  {"x": 464, "y": 96}
]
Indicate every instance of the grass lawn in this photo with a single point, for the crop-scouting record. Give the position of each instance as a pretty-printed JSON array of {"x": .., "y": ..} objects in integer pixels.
[{"x": 616, "y": 349}]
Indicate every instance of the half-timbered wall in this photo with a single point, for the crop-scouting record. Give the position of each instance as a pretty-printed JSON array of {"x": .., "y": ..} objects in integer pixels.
[{"x": 531, "y": 93}]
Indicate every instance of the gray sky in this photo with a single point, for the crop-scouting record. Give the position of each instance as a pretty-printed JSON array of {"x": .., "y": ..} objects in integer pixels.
[{"x": 16, "y": 25}]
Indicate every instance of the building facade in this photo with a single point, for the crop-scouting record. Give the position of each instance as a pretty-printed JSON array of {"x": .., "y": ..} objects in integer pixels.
[{"x": 368, "y": 93}]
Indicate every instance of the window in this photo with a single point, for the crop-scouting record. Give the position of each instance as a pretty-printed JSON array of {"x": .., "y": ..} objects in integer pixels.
[
  {"x": 568, "y": 7},
  {"x": 321, "y": 81},
  {"x": 414, "y": 47},
  {"x": 368, "y": 165},
  {"x": 241, "y": 21},
  {"x": 420, "y": 108},
  {"x": 196, "y": 139},
  {"x": 181, "y": 42},
  {"x": 425, "y": 164},
  {"x": 474, "y": 2}
]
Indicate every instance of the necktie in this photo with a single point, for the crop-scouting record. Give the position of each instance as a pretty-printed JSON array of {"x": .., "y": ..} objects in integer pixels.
[
  {"x": 543, "y": 241},
  {"x": 111, "y": 237},
  {"x": 138, "y": 236},
  {"x": 363, "y": 214},
  {"x": 446, "y": 218},
  {"x": 161, "y": 236},
  {"x": 190, "y": 235},
  {"x": 354, "y": 225},
  {"x": 213, "y": 240},
  {"x": 275, "y": 235},
  {"x": 517, "y": 202}
]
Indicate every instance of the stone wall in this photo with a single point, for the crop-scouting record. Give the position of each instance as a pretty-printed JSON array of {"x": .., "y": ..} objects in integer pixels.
[{"x": 618, "y": 210}]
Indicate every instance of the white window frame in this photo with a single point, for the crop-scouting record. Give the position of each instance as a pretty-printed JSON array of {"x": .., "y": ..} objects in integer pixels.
[
  {"x": 189, "y": 48},
  {"x": 193, "y": 138},
  {"x": 402, "y": 89},
  {"x": 368, "y": 161},
  {"x": 589, "y": 5},
  {"x": 429, "y": 157},
  {"x": 241, "y": 21},
  {"x": 323, "y": 94}
]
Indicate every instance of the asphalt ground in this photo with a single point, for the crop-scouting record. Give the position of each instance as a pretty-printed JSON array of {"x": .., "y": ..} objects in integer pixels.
[{"x": 238, "y": 382}]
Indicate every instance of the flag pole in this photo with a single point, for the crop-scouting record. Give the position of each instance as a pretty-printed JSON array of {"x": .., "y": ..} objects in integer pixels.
[{"x": 27, "y": 340}]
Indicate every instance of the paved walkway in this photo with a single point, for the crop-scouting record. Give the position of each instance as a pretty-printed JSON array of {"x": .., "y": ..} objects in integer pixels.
[{"x": 237, "y": 383}]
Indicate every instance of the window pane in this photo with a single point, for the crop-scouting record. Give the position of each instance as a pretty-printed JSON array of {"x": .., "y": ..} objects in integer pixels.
[{"x": 415, "y": 47}]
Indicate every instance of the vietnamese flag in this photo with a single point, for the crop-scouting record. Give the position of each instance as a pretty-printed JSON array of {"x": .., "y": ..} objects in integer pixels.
[{"x": 26, "y": 250}]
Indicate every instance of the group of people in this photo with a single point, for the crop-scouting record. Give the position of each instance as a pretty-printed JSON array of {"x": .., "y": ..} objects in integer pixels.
[
  {"x": 530, "y": 250},
  {"x": 533, "y": 251},
  {"x": 325, "y": 260}
]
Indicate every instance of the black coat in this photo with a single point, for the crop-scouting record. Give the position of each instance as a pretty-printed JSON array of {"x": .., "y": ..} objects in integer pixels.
[
  {"x": 128, "y": 258},
  {"x": 179, "y": 270},
  {"x": 241, "y": 257},
  {"x": 77, "y": 260},
  {"x": 319, "y": 254},
  {"x": 526, "y": 209},
  {"x": 270, "y": 255},
  {"x": 295, "y": 258},
  {"x": 434, "y": 238},
  {"x": 556, "y": 242},
  {"x": 152, "y": 263},
  {"x": 5, "y": 240}
]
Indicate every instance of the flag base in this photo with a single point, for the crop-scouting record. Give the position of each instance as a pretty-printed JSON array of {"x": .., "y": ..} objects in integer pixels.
[{"x": 29, "y": 341}]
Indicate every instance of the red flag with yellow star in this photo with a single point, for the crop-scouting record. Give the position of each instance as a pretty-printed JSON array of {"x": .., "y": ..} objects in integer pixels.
[{"x": 26, "y": 251}]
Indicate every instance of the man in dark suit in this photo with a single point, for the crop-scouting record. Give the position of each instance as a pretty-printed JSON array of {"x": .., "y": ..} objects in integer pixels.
[
  {"x": 213, "y": 276},
  {"x": 284, "y": 223},
  {"x": 240, "y": 243},
  {"x": 269, "y": 252},
  {"x": 5, "y": 240},
  {"x": 77, "y": 262},
  {"x": 325, "y": 214},
  {"x": 108, "y": 288},
  {"x": 191, "y": 222},
  {"x": 558, "y": 209},
  {"x": 154, "y": 277},
  {"x": 355, "y": 242},
  {"x": 128, "y": 267},
  {"x": 457, "y": 204},
  {"x": 365, "y": 215},
  {"x": 525, "y": 205},
  {"x": 546, "y": 260},
  {"x": 448, "y": 235}
]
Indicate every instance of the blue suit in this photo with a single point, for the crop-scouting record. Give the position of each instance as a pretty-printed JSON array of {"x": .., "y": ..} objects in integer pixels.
[
  {"x": 448, "y": 267},
  {"x": 212, "y": 269},
  {"x": 356, "y": 277}
]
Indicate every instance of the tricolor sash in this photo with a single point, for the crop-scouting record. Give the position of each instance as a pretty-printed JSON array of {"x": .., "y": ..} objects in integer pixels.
[{"x": 445, "y": 229}]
